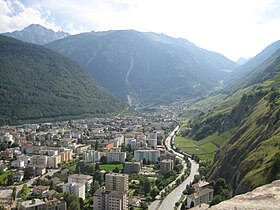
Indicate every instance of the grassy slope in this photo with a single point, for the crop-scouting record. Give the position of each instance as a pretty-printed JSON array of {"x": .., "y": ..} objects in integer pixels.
[
  {"x": 249, "y": 153},
  {"x": 206, "y": 148}
]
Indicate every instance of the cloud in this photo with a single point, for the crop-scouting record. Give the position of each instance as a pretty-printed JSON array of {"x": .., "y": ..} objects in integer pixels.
[
  {"x": 233, "y": 27},
  {"x": 15, "y": 16}
]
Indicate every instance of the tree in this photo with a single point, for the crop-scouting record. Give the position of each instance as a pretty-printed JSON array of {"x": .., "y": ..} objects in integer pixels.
[
  {"x": 10, "y": 180},
  {"x": 96, "y": 145},
  {"x": 144, "y": 161},
  {"x": 146, "y": 185},
  {"x": 116, "y": 170},
  {"x": 82, "y": 203},
  {"x": 103, "y": 159},
  {"x": 98, "y": 176},
  {"x": 74, "y": 205},
  {"x": 97, "y": 167},
  {"x": 154, "y": 192},
  {"x": 217, "y": 199},
  {"x": 14, "y": 193},
  {"x": 94, "y": 186}
]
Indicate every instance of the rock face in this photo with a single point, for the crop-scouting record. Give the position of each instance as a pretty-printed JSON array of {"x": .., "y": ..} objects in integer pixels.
[{"x": 262, "y": 198}]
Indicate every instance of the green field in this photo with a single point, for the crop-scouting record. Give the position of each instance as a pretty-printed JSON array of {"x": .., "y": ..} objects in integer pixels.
[
  {"x": 110, "y": 167},
  {"x": 206, "y": 148}
]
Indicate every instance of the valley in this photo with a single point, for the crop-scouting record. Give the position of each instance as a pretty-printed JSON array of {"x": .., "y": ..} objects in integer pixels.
[{"x": 176, "y": 125}]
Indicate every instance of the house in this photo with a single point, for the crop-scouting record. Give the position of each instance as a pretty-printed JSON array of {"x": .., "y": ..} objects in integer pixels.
[
  {"x": 203, "y": 194},
  {"x": 17, "y": 163},
  {"x": 40, "y": 190},
  {"x": 197, "y": 198},
  {"x": 81, "y": 178},
  {"x": 18, "y": 176}
]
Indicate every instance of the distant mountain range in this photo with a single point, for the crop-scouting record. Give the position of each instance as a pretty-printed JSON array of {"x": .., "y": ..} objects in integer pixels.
[
  {"x": 256, "y": 70},
  {"x": 37, "y": 34},
  {"x": 39, "y": 84},
  {"x": 146, "y": 67},
  {"x": 242, "y": 60}
]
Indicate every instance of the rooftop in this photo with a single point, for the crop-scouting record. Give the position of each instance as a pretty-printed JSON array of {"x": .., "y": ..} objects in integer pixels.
[{"x": 80, "y": 176}]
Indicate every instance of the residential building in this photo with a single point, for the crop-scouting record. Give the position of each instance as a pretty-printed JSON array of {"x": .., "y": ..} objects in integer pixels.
[
  {"x": 167, "y": 155},
  {"x": 166, "y": 165},
  {"x": 39, "y": 170},
  {"x": 116, "y": 157},
  {"x": 108, "y": 145},
  {"x": 37, "y": 204},
  {"x": 77, "y": 189},
  {"x": 203, "y": 196},
  {"x": 148, "y": 155},
  {"x": 40, "y": 190},
  {"x": 82, "y": 148},
  {"x": 110, "y": 200},
  {"x": 53, "y": 161},
  {"x": 132, "y": 167},
  {"x": 116, "y": 182},
  {"x": 81, "y": 178},
  {"x": 17, "y": 163},
  {"x": 39, "y": 160},
  {"x": 91, "y": 156},
  {"x": 18, "y": 176}
]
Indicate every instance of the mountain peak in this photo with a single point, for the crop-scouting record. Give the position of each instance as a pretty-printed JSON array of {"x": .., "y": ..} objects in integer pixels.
[{"x": 37, "y": 34}]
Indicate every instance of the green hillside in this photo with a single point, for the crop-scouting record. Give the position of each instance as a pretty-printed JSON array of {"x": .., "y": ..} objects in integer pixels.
[{"x": 37, "y": 83}]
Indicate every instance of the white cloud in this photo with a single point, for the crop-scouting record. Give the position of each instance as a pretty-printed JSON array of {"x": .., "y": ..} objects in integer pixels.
[
  {"x": 15, "y": 16},
  {"x": 232, "y": 27}
]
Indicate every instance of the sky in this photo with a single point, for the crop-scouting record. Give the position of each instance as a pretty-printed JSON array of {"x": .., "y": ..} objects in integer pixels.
[{"x": 234, "y": 28}]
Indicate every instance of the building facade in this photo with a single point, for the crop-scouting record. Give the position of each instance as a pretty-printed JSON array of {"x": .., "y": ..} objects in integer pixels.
[
  {"x": 77, "y": 189},
  {"x": 116, "y": 182},
  {"x": 148, "y": 155},
  {"x": 110, "y": 200}
]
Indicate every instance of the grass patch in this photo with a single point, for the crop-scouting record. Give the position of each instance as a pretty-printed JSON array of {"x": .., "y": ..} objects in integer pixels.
[
  {"x": 110, "y": 167},
  {"x": 4, "y": 177},
  {"x": 206, "y": 148}
]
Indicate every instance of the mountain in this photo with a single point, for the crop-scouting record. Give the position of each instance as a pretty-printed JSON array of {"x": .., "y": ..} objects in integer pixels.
[
  {"x": 37, "y": 34},
  {"x": 146, "y": 67},
  {"x": 262, "y": 68},
  {"x": 250, "y": 157},
  {"x": 256, "y": 61},
  {"x": 242, "y": 60},
  {"x": 39, "y": 84}
]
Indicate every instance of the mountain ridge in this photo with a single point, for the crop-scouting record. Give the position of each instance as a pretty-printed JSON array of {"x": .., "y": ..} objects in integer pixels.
[
  {"x": 145, "y": 66},
  {"x": 37, "y": 84},
  {"x": 37, "y": 34}
]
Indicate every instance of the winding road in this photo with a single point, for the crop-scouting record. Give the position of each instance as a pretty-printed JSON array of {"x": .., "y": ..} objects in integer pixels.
[{"x": 169, "y": 201}]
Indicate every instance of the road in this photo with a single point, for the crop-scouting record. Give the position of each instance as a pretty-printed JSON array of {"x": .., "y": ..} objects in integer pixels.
[{"x": 169, "y": 201}]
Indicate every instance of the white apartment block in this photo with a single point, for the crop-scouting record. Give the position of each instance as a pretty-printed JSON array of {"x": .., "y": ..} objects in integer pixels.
[
  {"x": 91, "y": 156},
  {"x": 116, "y": 157},
  {"x": 81, "y": 178},
  {"x": 151, "y": 155},
  {"x": 116, "y": 182},
  {"x": 77, "y": 189}
]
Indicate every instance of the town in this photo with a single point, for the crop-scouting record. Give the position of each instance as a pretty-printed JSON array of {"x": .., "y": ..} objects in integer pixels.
[{"x": 105, "y": 163}]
